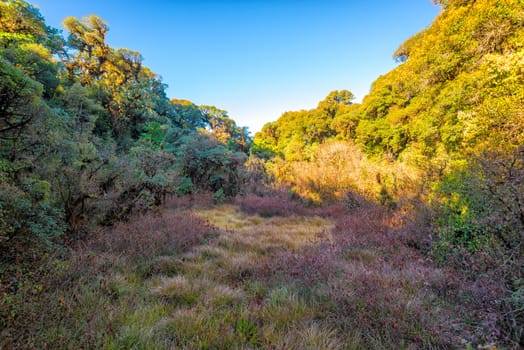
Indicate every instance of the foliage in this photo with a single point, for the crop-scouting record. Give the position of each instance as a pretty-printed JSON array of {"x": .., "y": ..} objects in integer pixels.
[
  {"x": 210, "y": 164},
  {"x": 295, "y": 133},
  {"x": 337, "y": 168},
  {"x": 88, "y": 137},
  {"x": 19, "y": 102},
  {"x": 225, "y": 129}
]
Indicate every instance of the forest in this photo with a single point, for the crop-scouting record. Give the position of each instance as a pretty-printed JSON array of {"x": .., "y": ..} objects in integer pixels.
[{"x": 132, "y": 220}]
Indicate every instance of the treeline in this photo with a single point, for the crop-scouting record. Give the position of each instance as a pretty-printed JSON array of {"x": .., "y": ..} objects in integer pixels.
[
  {"x": 443, "y": 130},
  {"x": 88, "y": 135}
]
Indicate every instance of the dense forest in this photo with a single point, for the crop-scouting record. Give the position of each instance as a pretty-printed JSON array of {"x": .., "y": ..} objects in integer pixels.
[{"x": 132, "y": 220}]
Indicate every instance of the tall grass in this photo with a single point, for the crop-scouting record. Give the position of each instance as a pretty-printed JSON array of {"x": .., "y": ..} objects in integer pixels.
[{"x": 87, "y": 297}]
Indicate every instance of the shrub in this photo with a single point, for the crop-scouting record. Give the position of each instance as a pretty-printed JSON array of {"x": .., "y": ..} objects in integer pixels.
[
  {"x": 278, "y": 205},
  {"x": 337, "y": 168},
  {"x": 219, "y": 196},
  {"x": 480, "y": 230},
  {"x": 29, "y": 224},
  {"x": 198, "y": 200}
]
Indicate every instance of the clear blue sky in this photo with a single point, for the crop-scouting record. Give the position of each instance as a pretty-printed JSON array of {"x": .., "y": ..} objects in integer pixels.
[{"x": 258, "y": 58}]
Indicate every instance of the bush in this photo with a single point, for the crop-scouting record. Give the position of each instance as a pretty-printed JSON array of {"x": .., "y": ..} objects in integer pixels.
[
  {"x": 210, "y": 165},
  {"x": 270, "y": 206},
  {"x": 219, "y": 196},
  {"x": 480, "y": 229},
  {"x": 337, "y": 168},
  {"x": 29, "y": 224},
  {"x": 199, "y": 200}
]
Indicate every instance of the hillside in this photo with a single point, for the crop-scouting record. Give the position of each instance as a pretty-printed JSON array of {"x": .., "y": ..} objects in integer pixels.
[{"x": 445, "y": 126}]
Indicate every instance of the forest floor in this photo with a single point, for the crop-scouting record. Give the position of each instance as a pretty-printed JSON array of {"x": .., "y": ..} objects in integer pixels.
[{"x": 219, "y": 278}]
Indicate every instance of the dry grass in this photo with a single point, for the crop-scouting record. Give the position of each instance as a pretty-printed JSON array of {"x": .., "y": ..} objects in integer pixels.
[{"x": 244, "y": 231}]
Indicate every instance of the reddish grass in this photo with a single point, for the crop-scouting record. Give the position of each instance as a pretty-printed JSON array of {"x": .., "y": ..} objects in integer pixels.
[
  {"x": 147, "y": 236},
  {"x": 279, "y": 203},
  {"x": 334, "y": 211},
  {"x": 472, "y": 292},
  {"x": 311, "y": 266},
  {"x": 78, "y": 283},
  {"x": 386, "y": 285},
  {"x": 380, "y": 281},
  {"x": 377, "y": 278}
]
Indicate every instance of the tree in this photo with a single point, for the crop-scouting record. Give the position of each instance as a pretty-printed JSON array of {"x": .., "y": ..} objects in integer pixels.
[
  {"x": 87, "y": 37},
  {"x": 20, "y": 101},
  {"x": 188, "y": 115},
  {"x": 295, "y": 132},
  {"x": 225, "y": 129},
  {"x": 92, "y": 139},
  {"x": 210, "y": 165},
  {"x": 22, "y": 22}
]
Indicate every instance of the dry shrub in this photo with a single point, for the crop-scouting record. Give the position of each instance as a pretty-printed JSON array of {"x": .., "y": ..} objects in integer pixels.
[
  {"x": 275, "y": 205},
  {"x": 200, "y": 200},
  {"x": 337, "y": 168}
]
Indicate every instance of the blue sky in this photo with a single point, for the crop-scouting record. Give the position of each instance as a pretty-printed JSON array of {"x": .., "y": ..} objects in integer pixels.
[{"x": 259, "y": 58}]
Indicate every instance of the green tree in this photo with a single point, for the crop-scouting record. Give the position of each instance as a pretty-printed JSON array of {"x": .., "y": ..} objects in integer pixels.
[
  {"x": 20, "y": 101},
  {"x": 225, "y": 129},
  {"x": 21, "y": 22},
  {"x": 87, "y": 38},
  {"x": 295, "y": 132},
  {"x": 210, "y": 164}
]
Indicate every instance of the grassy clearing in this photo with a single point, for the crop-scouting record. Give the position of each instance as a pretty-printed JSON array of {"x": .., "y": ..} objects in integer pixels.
[{"x": 222, "y": 279}]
